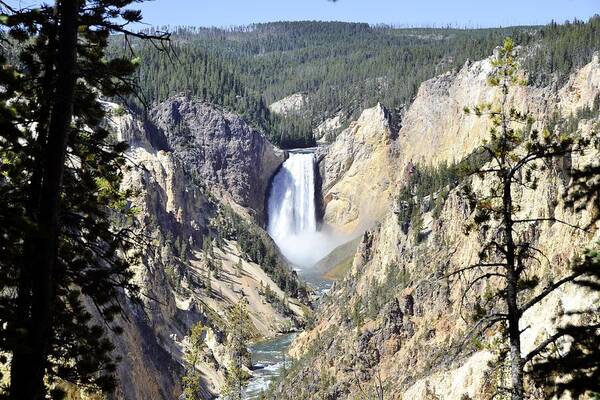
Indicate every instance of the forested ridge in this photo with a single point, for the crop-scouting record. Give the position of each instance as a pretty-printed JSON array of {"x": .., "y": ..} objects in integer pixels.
[{"x": 341, "y": 67}]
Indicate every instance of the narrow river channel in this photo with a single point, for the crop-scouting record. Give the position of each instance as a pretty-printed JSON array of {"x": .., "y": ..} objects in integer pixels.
[
  {"x": 269, "y": 360},
  {"x": 293, "y": 225},
  {"x": 269, "y": 357}
]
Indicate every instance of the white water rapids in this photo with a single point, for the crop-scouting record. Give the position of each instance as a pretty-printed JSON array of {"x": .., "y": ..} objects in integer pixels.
[{"x": 292, "y": 214}]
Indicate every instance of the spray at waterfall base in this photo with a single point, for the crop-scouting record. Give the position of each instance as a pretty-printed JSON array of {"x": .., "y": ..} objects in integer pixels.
[{"x": 292, "y": 217}]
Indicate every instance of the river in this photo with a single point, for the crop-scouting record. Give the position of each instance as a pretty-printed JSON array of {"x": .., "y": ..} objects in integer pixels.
[
  {"x": 269, "y": 357},
  {"x": 292, "y": 223},
  {"x": 268, "y": 361}
]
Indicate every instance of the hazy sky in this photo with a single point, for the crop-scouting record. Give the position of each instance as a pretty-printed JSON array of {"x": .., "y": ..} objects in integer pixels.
[{"x": 402, "y": 12}]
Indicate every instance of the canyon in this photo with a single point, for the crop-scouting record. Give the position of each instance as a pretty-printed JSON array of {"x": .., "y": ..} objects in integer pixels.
[
  {"x": 203, "y": 174},
  {"x": 297, "y": 210}
]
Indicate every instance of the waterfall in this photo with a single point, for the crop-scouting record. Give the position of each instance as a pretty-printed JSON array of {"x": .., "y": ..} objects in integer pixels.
[
  {"x": 292, "y": 217},
  {"x": 291, "y": 205},
  {"x": 292, "y": 201}
]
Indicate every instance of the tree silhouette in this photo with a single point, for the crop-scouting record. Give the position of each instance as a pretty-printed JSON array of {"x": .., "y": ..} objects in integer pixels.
[
  {"x": 63, "y": 258},
  {"x": 570, "y": 359},
  {"x": 573, "y": 352}
]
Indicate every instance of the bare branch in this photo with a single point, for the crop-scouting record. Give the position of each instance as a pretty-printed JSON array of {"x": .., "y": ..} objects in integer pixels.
[
  {"x": 542, "y": 346},
  {"x": 474, "y": 266},
  {"x": 549, "y": 289},
  {"x": 520, "y": 221}
]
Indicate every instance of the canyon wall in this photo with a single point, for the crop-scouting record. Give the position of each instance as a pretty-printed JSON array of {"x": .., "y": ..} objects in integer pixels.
[
  {"x": 198, "y": 174},
  {"x": 366, "y": 163},
  {"x": 395, "y": 322},
  {"x": 357, "y": 172},
  {"x": 225, "y": 153}
]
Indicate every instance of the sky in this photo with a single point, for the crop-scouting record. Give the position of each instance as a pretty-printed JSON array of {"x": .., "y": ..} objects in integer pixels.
[{"x": 470, "y": 13}]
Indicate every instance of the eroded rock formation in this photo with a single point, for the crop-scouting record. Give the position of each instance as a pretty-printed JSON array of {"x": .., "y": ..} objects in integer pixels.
[{"x": 197, "y": 172}]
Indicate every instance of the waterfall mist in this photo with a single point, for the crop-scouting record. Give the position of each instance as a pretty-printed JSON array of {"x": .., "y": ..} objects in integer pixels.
[{"x": 292, "y": 219}]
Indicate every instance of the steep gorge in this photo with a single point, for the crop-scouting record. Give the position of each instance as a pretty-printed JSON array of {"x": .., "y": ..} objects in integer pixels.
[
  {"x": 201, "y": 176},
  {"x": 202, "y": 172}
]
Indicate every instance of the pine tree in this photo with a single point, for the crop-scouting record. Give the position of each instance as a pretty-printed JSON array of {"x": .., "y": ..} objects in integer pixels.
[
  {"x": 518, "y": 153},
  {"x": 357, "y": 316},
  {"x": 239, "y": 332},
  {"x": 235, "y": 381},
  {"x": 192, "y": 381},
  {"x": 60, "y": 181},
  {"x": 208, "y": 283},
  {"x": 217, "y": 268},
  {"x": 416, "y": 220}
]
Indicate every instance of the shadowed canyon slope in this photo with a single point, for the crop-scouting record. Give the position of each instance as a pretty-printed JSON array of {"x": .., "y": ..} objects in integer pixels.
[
  {"x": 200, "y": 174},
  {"x": 223, "y": 150}
]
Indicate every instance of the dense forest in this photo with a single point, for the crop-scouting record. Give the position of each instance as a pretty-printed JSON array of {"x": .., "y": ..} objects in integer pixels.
[
  {"x": 559, "y": 48},
  {"x": 341, "y": 67}
]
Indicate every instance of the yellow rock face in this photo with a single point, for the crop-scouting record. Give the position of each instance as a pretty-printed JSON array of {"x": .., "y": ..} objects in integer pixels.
[
  {"x": 358, "y": 173},
  {"x": 365, "y": 163},
  {"x": 362, "y": 170}
]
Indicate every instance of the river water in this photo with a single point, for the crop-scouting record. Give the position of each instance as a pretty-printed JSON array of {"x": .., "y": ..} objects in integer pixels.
[
  {"x": 292, "y": 223},
  {"x": 269, "y": 357},
  {"x": 268, "y": 360}
]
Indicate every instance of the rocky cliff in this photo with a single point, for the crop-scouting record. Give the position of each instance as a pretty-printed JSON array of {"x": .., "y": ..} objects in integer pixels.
[
  {"x": 223, "y": 151},
  {"x": 294, "y": 104},
  {"x": 393, "y": 326},
  {"x": 200, "y": 175},
  {"x": 368, "y": 159},
  {"x": 435, "y": 128},
  {"x": 357, "y": 173}
]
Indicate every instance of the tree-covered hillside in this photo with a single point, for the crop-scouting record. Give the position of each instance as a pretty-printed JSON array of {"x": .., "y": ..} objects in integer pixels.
[
  {"x": 557, "y": 49},
  {"x": 345, "y": 66},
  {"x": 341, "y": 67}
]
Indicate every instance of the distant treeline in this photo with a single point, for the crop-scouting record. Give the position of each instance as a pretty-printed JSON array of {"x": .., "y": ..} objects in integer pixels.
[{"x": 343, "y": 67}]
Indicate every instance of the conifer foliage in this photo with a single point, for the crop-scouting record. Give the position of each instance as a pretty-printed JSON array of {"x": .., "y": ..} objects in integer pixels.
[
  {"x": 340, "y": 68},
  {"x": 63, "y": 261},
  {"x": 192, "y": 381},
  {"x": 508, "y": 256},
  {"x": 239, "y": 332}
]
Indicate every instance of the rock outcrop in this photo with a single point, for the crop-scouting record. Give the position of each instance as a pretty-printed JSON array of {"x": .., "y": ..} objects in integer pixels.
[
  {"x": 222, "y": 150},
  {"x": 294, "y": 104},
  {"x": 198, "y": 173},
  {"x": 328, "y": 129},
  {"x": 357, "y": 172}
]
